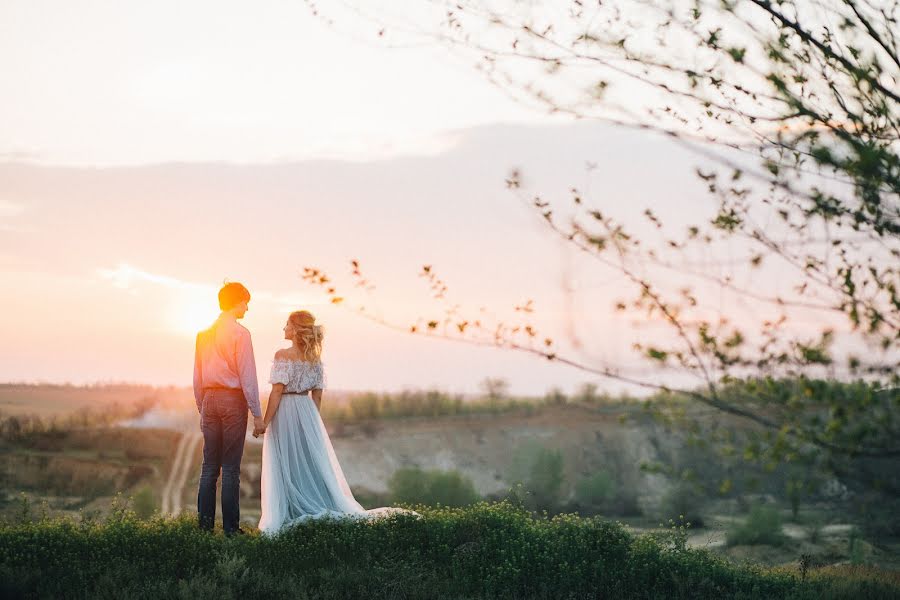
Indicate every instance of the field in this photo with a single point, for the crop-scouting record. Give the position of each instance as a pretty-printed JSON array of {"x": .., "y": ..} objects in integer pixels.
[
  {"x": 65, "y": 480},
  {"x": 50, "y": 401}
]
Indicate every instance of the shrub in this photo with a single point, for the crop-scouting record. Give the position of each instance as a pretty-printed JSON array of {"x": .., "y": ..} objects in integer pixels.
[
  {"x": 587, "y": 393},
  {"x": 451, "y": 488},
  {"x": 143, "y": 503},
  {"x": 762, "y": 527},
  {"x": 546, "y": 478},
  {"x": 447, "y": 488},
  {"x": 370, "y": 406},
  {"x": 684, "y": 502},
  {"x": 596, "y": 491},
  {"x": 855, "y": 549},
  {"x": 364, "y": 406},
  {"x": 495, "y": 388},
  {"x": 408, "y": 485},
  {"x": 555, "y": 397},
  {"x": 538, "y": 472}
]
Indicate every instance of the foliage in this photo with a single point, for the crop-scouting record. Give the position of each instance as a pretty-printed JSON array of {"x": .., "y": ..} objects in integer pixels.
[
  {"x": 683, "y": 502},
  {"x": 762, "y": 526},
  {"x": 794, "y": 112},
  {"x": 797, "y": 488},
  {"x": 484, "y": 551},
  {"x": 546, "y": 478},
  {"x": 412, "y": 485},
  {"x": 587, "y": 393},
  {"x": 817, "y": 413},
  {"x": 435, "y": 403},
  {"x": 539, "y": 471},
  {"x": 555, "y": 397},
  {"x": 144, "y": 503},
  {"x": 855, "y": 549},
  {"x": 595, "y": 491},
  {"x": 495, "y": 388}
]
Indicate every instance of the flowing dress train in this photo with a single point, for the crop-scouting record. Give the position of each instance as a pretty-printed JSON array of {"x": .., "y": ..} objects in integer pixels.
[{"x": 301, "y": 476}]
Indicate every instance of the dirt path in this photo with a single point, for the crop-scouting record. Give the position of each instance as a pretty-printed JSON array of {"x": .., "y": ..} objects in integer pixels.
[
  {"x": 166, "y": 507},
  {"x": 173, "y": 491}
]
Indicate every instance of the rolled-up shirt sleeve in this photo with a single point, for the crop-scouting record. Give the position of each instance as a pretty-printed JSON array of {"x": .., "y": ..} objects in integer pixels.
[
  {"x": 198, "y": 375},
  {"x": 246, "y": 365}
]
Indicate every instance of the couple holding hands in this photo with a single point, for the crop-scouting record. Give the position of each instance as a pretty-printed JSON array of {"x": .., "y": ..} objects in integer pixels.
[{"x": 301, "y": 476}]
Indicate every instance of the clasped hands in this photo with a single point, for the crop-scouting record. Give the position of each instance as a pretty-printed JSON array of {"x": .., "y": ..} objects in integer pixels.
[{"x": 259, "y": 426}]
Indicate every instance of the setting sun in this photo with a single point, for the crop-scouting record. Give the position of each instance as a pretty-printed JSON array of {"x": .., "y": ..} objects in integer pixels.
[{"x": 191, "y": 312}]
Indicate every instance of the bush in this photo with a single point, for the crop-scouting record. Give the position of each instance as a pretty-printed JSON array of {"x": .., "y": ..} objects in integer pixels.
[
  {"x": 555, "y": 397},
  {"x": 144, "y": 503},
  {"x": 495, "y": 388},
  {"x": 364, "y": 407},
  {"x": 483, "y": 551},
  {"x": 538, "y": 471},
  {"x": 546, "y": 478},
  {"x": 595, "y": 492},
  {"x": 447, "y": 488},
  {"x": 762, "y": 527},
  {"x": 587, "y": 393},
  {"x": 369, "y": 406},
  {"x": 408, "y": 485},
  {"x": 683, "y": 502}
]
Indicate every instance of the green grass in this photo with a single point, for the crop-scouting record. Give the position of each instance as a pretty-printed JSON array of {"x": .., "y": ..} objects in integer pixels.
[{"x": 483, "y": 551}]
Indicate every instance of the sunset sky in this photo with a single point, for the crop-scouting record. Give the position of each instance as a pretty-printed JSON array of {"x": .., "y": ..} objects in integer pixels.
[
  {"x": 152, "y": 150},
  {"x": 104, "y": 82}
]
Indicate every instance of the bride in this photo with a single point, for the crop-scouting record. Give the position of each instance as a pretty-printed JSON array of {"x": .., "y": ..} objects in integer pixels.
[{"x": 301, "y": 476}]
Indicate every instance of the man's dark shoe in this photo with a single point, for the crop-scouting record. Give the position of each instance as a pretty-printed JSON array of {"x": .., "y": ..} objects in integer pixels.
[{"x": 237, "y": 531}]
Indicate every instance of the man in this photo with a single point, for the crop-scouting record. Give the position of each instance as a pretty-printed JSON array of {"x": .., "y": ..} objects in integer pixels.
[{"x": 225, "y": 386}]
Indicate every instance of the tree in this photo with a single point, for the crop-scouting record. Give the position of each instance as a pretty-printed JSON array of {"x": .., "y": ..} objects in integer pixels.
[
  {"x": 794, "y": 110},
  {"x": 495, "y": 388},
  {"x": 587, "y": 393}
]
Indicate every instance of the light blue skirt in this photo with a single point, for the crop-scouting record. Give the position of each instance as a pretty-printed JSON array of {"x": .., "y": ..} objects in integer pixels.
[{"x": 301, "y": 476}]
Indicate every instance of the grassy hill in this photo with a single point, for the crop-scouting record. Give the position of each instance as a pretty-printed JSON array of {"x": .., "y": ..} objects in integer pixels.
[{"x": 484, "y": 551}]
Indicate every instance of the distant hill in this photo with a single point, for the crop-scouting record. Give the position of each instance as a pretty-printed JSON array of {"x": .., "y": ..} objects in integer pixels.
[{"x": 48, "y": 400}]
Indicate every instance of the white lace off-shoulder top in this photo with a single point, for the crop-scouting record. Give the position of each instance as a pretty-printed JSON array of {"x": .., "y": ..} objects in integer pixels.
[{"x": 297, "y": 376}]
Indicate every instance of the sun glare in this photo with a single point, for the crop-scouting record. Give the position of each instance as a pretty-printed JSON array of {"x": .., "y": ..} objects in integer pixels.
[{"x": 190, "y": 314}]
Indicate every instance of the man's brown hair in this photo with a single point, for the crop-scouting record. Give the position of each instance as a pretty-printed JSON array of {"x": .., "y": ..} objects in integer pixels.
[{"x": 232, "y": 294}]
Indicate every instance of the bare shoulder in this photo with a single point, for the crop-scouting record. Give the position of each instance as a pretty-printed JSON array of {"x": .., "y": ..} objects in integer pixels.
[{"x": 285, "y": 354}]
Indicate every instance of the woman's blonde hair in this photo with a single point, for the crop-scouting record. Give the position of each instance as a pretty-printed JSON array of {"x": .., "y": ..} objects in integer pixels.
[{"x": 307, "y": 334}]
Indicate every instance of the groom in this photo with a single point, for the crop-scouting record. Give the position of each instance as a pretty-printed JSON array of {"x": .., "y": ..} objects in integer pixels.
[{"x": 225, "y": 387}]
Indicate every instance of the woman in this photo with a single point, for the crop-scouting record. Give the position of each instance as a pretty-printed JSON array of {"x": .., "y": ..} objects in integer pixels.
[{"x": 301, "y": 476}]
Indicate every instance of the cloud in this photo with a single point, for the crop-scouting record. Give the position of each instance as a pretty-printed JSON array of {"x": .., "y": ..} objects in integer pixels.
[
  {"x": 125, "y": 275},
  {"x": 10, "y": 209},
  {"x": 20, "y": 156}
]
